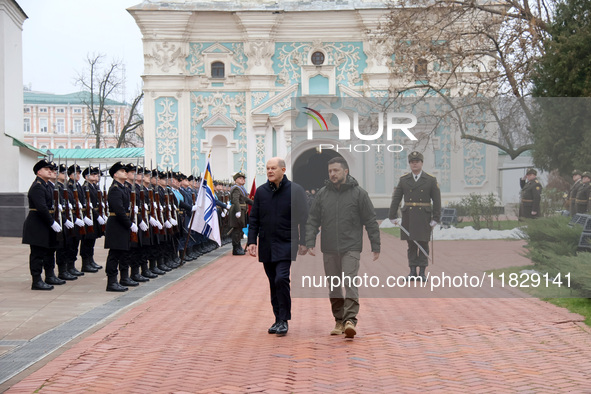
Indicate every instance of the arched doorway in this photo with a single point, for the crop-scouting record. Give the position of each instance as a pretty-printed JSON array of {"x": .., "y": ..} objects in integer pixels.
[
  {"x": 310, "y": 169},
  {"x": 219, "y": 157}
]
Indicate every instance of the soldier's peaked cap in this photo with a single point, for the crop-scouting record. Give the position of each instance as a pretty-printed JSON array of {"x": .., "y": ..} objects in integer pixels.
[
  {"x": 576, "y": 172},
  {"x": 239, "y": 175},
  {"x": 73, "y": 168},
  {"x": 414, "y": 155},
  {"x": 116, "y": 167},
  {"x": 531, "y": 171},
  {"x": 587, "y": 174},
  {"x": 42, "y": 164}
]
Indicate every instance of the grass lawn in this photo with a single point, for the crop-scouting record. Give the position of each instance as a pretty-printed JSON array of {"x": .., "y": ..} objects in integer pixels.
[{"x": 559, "y": 296}]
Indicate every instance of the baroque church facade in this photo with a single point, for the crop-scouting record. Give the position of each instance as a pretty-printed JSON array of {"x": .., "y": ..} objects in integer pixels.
[{"x": 223, "y": 77}]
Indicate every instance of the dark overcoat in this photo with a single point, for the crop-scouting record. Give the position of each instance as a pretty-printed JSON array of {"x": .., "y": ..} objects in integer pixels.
[
  {"x": 278, "y": 217},
  {"x": 37, "y": 229},
  {"x": 422, "y": 203},
  {"x": 118, "y": 229}
]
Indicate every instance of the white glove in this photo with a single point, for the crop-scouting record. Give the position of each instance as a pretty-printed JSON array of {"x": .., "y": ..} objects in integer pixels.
[
  {"x": 173, "y": 222},
  {"x": 134, "y": 227},
  {"x": 87, "y": 221},
  {"x": 167, "y": 224},
  {"x": 159, "y": 225},
  {"x": 146, "y": 207},
  {"x": 224, "y": 213},
  {"x": 56, "y": 227},
  {"x": 169, "y": 208},
  {"x": 70, "y": 206},
  {"x": 105, "y": 218},
  {"x": 80, "y": 205},
  {"x": 69, "y": 224},
  {"x": 59, "y": 206},
  {"x": 78, "y": 222},
  {"x": 135, "y": 210},
  {"x": 91, "y": 206},
  {"x": 433, "y": 223},
  {"x": 153, "y": 222},
  {"x": 397, "y": 222},
  {"x": 143, "y": 226},
  {"x": 238, "y": 214},
  {"x": 195, "y": 207},
  {"x": 100, "y": 220}
]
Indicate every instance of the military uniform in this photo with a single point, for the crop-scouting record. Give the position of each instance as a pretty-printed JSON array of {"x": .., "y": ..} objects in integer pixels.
[
  {"x": 39, "y": 229},
  {"x": 583, "y": 194},
  {"x": 572, "y": 194},
  {"x": 92, "y": 204},
  {"x": 80, "y": 228},
  {"x": 531, "y": 192},
  {"x": 422, "y": 205},
  {"x": 239, "y": 200}
]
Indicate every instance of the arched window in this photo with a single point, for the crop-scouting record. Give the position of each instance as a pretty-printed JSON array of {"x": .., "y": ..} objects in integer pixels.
[
  {"x": 318, "y": 58},
  {"x": 77, "y": 147},
  {"x": 421, "y": 67},
  {"x": 217, "y": 70}
]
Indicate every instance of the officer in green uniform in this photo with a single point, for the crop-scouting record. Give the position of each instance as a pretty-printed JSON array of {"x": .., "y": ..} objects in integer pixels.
[
  {"x": 531, "y": 192},
  {"x": 572, "y": 193},
  {"x": 420, "y": 213},
  {"x": 583, "y": 194},
  {"x": 238, "y": 211}
]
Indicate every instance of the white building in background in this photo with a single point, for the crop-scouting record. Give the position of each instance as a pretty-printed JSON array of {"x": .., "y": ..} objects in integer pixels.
[{"x": 220, "y": 76}]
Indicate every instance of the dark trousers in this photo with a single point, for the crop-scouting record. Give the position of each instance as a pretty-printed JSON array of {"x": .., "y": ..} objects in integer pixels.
[
  {"x": 114, "y": 259},
  {"x": 237, "y": 235},
  {"x": 38, "y": 258},
  {"x": 87, "y": 248},
  {"x": 73, "y": 252},
  {"x": 417, "y": 258},
  {"x": 61, "y": 256},
  {"x": 278, "y": 274}
]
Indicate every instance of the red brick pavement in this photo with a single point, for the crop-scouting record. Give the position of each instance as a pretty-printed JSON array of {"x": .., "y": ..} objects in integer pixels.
[{"x": 208, "y": 334}]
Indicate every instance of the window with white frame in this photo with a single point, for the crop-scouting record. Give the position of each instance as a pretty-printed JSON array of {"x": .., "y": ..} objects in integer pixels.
[
  {"x": 111, "y": 127},
  {"x": 43, "y": 125},
  {"x": 27, "y": 125},
  {"x": 60, "y": 126},
  {"x": 77, "y": 126},
  {"x": 43, "y": 146},
  {"x": 77, "y": 110},
  {"x": 77, "y": 147},
  {"x": 59, "y": 110},
  {"x": 27, "y": 110},
  {"x": 43, "y": 109}
]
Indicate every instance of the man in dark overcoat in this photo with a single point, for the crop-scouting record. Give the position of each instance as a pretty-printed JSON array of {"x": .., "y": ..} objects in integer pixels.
[
  {"x": 281, "y": 235},
  {"x": 420, "y": 213}
]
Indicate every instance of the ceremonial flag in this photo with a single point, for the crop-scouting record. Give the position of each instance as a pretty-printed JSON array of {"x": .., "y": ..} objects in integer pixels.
[
  {"x": 253, "y": 190},
  {"x": 206, "y": 216}
]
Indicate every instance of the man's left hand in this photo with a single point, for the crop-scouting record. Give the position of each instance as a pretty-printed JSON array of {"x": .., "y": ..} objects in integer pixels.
[
  {"x": 302, "y": 250},
  {"x": 376, "y": 255},
  {"x": 433, "y": 223},
  {"x": 252, "y": 250}
]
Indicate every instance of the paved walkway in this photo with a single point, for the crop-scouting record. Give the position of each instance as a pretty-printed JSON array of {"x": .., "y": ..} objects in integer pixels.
[{"x": 207, "y": 333}]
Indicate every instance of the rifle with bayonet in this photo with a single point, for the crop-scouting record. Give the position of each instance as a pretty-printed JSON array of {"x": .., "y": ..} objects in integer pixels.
[
  {"x": 88, "y": 210},
  {"x": 132, "y": 215},
  {"x": 57, "y": 215},
  {"x": 99, "y": 193},
  {"x": 77, "y": 210},
  {"x": 143, "y": 214}
]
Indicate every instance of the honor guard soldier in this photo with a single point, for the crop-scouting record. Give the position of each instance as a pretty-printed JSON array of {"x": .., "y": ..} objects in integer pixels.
[
  {"x": 90, "y": 176},
  {"x": 119, "y": 227},
  {"x": 238, "y": 212},
  {"x": 583, "y": 193},
  {"x": 420, "y": 213},
  {"x": 40, "y": 228},
  {"x": 62, "y": 252},
  {"x": 571, "y": 203},
  {"x": 531, "y": 193}
]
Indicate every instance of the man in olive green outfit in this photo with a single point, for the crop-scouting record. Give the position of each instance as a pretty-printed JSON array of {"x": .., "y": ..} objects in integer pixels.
[
  {"x": 420, "y": 213},
  {"x": 342, "y": 208},
  {"x": 531, "y": 193},
  {"x": 238, "y": 212}
]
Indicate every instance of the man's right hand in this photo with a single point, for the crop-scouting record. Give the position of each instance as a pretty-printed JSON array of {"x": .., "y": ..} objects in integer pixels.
[
  {"x": 312, "y": 251},
  {"x": 252, "y": 250},
  {"x": 397, "y": 222},
  {"x": 238, "y": 214}
]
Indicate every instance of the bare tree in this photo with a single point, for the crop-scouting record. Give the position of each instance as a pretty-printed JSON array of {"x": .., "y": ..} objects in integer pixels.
[
  {"x": 470, "y": 49},
  {"x": 100, "y": 84}
]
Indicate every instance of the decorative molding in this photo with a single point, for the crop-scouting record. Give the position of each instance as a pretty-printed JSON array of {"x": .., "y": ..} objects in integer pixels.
[
  {"x": 167, "y": 133},
  {"x": 165, "y": 56},
  {"x": 260, "y": 155}
]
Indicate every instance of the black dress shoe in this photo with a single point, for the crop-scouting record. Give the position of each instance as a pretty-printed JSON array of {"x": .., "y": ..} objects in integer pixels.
[
  {"x": 67, "y": 276},
  {"x": 139, "y": 278},
  {"x": 273, "y": 328},
  {"x": 149, "y": 274},
  {"x": 157, "y": 271},
  {"x": 128, "y": 282},
  {"x": 95, "y": 265},
  {"x": 116, "y": 287},
  {"x": 89, "y": 268},
  {"x": 54, "y": 280},
  {"x": 164, "y": 267},
  {"x": 281, "y": 328},
  {"x": 40, "y": 285},
  {"x": 75, "y": 272}
]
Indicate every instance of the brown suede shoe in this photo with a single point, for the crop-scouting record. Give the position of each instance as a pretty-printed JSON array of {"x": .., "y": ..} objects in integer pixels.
[
  {"x": 338, "y": 329},
  {"x": 350, "y": 330}
]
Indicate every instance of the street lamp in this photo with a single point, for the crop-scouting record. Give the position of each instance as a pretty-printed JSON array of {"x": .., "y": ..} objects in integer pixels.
[{"x": 49, "y": 155}]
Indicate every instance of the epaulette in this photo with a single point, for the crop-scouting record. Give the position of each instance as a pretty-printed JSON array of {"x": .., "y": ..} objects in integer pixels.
[
  {"x": 537, "y": 181},
  {"x": 403, "y": 175},
  {"x": 39, "y": 182}
]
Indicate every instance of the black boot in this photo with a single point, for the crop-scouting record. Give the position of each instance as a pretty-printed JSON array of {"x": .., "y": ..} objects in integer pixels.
[
  {"x": 38, "y": 284},
  {"x": 72, "y": 269},
  {"x": 136, "y": 276},
  {"x": 422, "y": 273},
  {"x": 413, "y": 273},
  {"x": 54, "y": 280},
  {"x": 94, "y": 264},
  {"x": 87, "y": 265},
  {"x": 65, "y": 275},
  {"x": 162, "y": 266},
  {"x": 146, "y": 272},
  {"x": 126, "y": 280},
  {"x": 112, "y": 285},
  {"x": 154, "y": 269}
]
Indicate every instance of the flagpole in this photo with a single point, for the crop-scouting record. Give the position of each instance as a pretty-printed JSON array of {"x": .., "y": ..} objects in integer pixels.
[{"x": 192, "y": 217}]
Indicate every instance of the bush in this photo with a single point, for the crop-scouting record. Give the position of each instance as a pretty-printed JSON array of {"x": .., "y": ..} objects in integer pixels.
[
  {"x": 482, "y": 209},
  {"x": 552, "y": 247},
  {"x": 552, "y": 201}
]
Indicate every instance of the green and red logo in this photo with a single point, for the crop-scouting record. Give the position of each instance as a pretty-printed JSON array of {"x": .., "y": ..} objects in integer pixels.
[{"x": 316, "y": 119}]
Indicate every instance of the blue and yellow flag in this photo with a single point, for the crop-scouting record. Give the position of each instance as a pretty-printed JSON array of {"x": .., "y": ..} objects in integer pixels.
[{"x": 206, "y": 216}]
